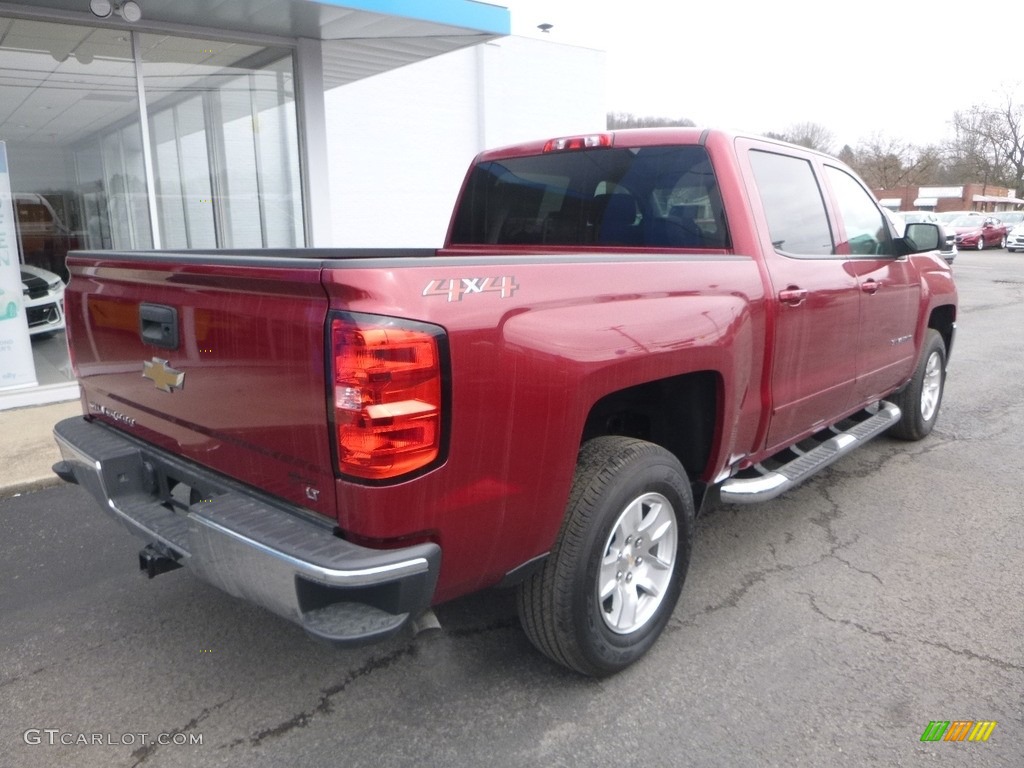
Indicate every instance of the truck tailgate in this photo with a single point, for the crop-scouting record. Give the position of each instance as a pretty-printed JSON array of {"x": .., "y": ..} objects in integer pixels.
[{"x": 220, "y": 362}]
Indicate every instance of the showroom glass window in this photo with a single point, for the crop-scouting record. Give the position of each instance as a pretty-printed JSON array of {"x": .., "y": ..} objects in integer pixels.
[
  {"x": 69, "y": 114},
  {"x": 224, "y": 142},
  {"x": 213, "y": 162}
]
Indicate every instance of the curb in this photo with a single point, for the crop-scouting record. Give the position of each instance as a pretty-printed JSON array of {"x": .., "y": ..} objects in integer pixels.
[
  {"x": 28, "y": 486},
  {"x": 27, "y": 448}
]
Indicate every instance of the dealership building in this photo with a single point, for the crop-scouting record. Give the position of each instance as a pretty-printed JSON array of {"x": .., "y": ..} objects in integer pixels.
[{"x": 248, "y": 124}]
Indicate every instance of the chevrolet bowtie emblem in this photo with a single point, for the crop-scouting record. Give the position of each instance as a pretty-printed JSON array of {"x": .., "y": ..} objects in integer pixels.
[{"x": 161, "y": 374}]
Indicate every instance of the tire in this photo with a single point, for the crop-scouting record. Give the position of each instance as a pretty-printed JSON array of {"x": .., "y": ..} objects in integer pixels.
[
  {"x": 1002, "y": 243},
  {"x": 981, "y": 243},
  {"x": 613, "y": 577},
  {"x": 919, "y": 401}
]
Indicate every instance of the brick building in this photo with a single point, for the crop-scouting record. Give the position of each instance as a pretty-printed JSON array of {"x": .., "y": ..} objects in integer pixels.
[{"x": 969, "y": 197}]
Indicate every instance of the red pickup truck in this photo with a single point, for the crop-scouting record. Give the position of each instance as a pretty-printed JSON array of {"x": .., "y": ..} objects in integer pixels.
[{"x": 620, "y": 330}]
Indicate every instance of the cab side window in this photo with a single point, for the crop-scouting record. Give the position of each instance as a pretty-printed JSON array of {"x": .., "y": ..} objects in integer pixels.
[
  {"x": 867, "y": 233},
  {"x": 793, "y": 204}
]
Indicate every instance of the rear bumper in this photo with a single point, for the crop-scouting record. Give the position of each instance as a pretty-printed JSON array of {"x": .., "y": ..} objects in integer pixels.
[{"x": 248, "y": 544}]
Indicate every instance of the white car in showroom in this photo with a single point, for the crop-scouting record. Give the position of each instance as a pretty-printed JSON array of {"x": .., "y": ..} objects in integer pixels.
[{"x": 43, "y": 297}]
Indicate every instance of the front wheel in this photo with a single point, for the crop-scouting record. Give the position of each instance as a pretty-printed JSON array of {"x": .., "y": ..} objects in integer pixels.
[
  {"x": 919, "y": 401},
  {"x": 613, "y": 577},
  {"x": 981, "y": 243}
]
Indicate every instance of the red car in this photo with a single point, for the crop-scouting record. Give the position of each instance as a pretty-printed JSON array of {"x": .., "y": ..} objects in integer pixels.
[{"x": 978, "y": 232}]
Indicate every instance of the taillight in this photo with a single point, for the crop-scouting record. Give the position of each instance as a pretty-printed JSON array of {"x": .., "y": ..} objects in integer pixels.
[
  {"x": 388, "y": 395},
  {"x": 579, "y": 142}
]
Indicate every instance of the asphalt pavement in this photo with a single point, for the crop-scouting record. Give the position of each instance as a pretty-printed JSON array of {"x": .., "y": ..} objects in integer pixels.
[{"x": 829, "y": 627}]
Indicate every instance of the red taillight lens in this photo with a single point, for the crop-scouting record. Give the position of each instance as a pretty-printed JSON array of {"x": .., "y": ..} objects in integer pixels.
[
  {"x": 388, "y": 395},
  {"x": 579, "y": 142}
]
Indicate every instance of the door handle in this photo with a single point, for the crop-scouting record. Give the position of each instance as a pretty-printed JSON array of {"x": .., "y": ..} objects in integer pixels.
[
  {"x": 793, "y": 296},
  {"x": 870, "y": 286}
]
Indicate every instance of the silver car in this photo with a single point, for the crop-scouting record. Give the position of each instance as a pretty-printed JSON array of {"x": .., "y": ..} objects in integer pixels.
[{"x": 901, "y": 218}]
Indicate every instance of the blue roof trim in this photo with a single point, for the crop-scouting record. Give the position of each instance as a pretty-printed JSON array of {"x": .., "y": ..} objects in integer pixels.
[
  {"x": 457, "y": 13},
  {"x": 317, "y": 19}
]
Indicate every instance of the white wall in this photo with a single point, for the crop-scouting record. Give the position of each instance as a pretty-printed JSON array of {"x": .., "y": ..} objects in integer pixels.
[{"x": 399, "y": 143}]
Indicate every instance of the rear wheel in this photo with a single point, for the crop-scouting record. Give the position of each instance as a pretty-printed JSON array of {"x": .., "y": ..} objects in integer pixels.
[
  {"x": 919, "y": 401},
  {"x": 1002, "y": 243},
  {"x": 612, "y": 580}
]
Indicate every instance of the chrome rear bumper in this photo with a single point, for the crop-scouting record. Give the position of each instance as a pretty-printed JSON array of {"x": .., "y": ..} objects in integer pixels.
[{"x": 247, "y": 544}]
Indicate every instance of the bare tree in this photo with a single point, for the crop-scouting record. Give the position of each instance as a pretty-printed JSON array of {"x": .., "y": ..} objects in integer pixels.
[
  {"x": 629, "y": 120},
  {"x": 811, "y": 135},
  {"x": 971, "y": 151},
  {"x": 886, "y": 163},
  {"x": 990, "y": 138},
  {"x": 989, "y": 142}
]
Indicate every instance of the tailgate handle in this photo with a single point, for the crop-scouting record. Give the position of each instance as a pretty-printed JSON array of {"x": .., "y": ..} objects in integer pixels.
[{"x": 158, "y": 325}]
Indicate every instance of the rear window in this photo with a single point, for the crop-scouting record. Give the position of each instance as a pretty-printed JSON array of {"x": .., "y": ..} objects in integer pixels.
[{"x": 648, "y": 197}]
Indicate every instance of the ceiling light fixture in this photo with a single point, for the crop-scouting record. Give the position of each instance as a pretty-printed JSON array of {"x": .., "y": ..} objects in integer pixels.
[
  {"x": 129, "y": 10},
  {"x": 101, "y": 9}
]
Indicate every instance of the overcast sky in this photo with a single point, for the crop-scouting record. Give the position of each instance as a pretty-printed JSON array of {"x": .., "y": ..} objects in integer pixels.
[{"x": 858, "y": 67}]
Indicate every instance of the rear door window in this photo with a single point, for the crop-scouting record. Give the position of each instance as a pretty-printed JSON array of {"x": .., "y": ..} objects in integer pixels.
[
  {"x": 648, "y": 197},
  {"x": 793, "y": 204}
]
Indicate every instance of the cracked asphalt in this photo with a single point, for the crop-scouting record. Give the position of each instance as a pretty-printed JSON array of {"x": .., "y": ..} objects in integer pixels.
[{"x": 826, "y": 628}]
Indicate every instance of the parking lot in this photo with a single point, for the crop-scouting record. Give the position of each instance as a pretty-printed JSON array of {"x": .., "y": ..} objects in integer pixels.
[{"x": 828, "y": 627}]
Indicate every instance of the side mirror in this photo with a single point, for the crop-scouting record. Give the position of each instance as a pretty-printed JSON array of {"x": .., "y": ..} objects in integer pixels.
[{"x": 923, "y": 236}]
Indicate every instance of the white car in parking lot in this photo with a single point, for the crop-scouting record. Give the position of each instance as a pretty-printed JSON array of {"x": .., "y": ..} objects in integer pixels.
[{"x": 1015, "y": 239}]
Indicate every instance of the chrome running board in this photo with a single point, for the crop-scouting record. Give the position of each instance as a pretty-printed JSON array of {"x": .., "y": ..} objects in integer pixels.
[{"x": 792, "y": 466}]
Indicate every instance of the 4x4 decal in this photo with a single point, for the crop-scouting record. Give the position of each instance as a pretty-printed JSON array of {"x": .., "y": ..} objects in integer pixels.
[{"x": 454, "y": 288}]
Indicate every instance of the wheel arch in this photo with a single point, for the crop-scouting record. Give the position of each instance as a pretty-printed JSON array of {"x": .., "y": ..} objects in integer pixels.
[
  {"x": 943, "y": 320},
  {"x": 682, "y": 414}
]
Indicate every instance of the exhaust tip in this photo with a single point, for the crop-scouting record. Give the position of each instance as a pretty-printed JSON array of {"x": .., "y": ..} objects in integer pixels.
[{"x": 427, "y": 622}]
